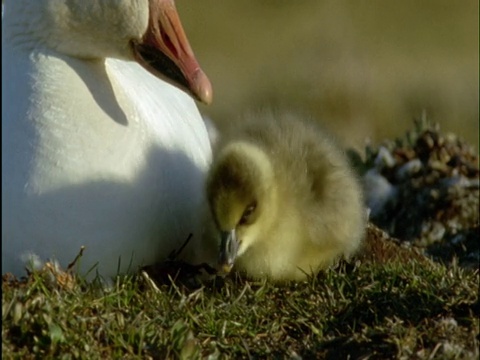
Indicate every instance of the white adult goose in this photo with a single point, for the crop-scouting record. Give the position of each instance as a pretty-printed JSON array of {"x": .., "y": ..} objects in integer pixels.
[{"x": 97, "y": 151}]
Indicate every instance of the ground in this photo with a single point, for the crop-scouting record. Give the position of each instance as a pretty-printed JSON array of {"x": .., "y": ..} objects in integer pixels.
[{"x": 410, "y": 298}]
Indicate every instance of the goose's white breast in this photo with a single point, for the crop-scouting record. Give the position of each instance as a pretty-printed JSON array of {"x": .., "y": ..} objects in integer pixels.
[{"x": 96, "y": 154}]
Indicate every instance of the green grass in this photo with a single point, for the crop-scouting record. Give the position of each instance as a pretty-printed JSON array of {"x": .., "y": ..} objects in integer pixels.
[{"x": 375, "y": 311}]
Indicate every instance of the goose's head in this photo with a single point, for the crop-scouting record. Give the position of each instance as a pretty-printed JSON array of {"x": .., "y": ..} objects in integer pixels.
[
  {"x": 146, "y": 31},
  {"x": 242, "y": 193}
]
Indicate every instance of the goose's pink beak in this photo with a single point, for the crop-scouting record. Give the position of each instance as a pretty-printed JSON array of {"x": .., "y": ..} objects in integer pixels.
[{"x": 166, "y": 52}]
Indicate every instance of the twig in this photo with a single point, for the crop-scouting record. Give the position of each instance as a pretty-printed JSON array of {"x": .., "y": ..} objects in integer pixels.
[
  {"x": 174, "y": 254},
  {"x": 79, "y": 255}
]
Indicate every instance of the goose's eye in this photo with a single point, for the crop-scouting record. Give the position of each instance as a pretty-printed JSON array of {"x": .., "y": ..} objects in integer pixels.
[{"x": 247, "y": 214}]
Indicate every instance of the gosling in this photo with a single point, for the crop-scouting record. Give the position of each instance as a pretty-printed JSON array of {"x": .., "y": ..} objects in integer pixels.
[{"x": 283, "y": 200}]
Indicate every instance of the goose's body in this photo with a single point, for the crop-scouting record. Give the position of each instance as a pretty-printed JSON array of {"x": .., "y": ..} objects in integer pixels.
[
  {"x": 96, "y": 151},
  {"x": 283, "y": 199}
]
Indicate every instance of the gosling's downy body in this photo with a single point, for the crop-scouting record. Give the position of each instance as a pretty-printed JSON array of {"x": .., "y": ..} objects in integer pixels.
[{"x": 284, "y": 201}]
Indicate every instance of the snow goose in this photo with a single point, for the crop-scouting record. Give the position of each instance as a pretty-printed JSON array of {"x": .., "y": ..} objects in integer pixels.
[
  {"x": 283, "y": 198},
  {"x": 98, "y": 148}
]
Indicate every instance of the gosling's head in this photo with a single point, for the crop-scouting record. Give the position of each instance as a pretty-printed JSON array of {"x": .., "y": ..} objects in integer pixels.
[{"x": 241, "y": 190}]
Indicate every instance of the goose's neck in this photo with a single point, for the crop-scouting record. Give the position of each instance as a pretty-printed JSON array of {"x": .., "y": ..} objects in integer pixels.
[
  {"x": 22, "y": 23},
  {"x": 77, "y": 28}
]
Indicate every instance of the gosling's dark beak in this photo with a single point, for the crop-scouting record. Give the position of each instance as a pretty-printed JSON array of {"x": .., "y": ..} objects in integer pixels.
[{"x": 228, "y": 250}]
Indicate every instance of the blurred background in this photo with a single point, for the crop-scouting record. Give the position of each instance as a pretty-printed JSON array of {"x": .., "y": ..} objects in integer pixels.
[{"x": 364, "y": 68}]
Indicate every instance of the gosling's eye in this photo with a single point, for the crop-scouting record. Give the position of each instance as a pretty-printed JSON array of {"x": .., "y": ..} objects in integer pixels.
[{"x": 247, "y": 214}]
